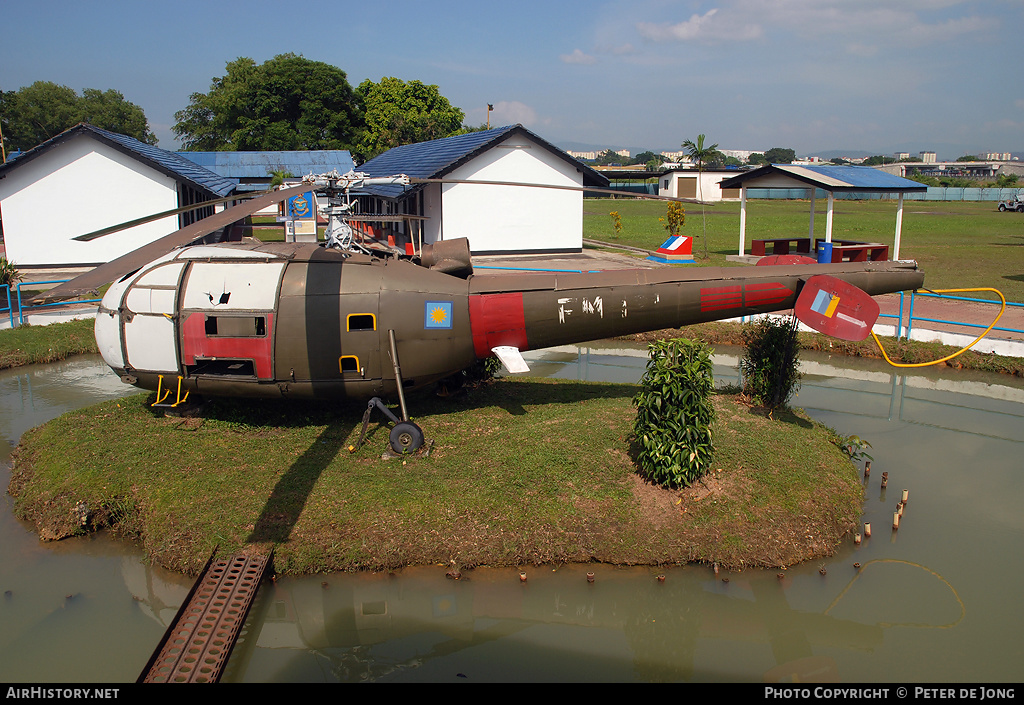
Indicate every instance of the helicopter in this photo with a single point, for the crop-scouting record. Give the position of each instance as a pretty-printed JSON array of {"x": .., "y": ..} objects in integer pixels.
[{"x": 348, "y": 320}]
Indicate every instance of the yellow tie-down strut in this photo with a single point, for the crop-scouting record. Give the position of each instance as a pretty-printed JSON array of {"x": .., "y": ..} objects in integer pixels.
[{"x": 166, "y": 393}]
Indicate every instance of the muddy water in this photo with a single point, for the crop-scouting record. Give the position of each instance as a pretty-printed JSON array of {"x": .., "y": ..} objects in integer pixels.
[{"x": 935, "y": 601}]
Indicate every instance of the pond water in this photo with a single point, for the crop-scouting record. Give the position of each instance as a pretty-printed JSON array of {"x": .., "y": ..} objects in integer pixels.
[{"x": 935, "y": 601}]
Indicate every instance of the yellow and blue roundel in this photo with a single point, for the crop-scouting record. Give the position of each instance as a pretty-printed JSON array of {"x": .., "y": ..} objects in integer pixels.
[{"x": 437, "y": 314}]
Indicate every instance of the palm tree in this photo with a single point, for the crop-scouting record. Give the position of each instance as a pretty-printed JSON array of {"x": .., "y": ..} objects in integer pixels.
[{"x": 700, "y": 154}]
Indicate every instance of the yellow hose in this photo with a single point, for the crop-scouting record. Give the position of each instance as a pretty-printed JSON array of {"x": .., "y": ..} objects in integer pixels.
[{"x": 1002, "y": 309}]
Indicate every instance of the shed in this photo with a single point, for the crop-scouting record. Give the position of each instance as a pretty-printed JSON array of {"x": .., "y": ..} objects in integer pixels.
[
  {"x": 831, "y": 179},
  {"x": 500, "y": 218},
  {"x": 85, "y": 179}
]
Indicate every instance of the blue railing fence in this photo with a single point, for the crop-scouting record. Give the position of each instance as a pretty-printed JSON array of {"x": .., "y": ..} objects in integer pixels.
[
  {"x": 6, "y": 294},
  {"x": 24, "y": 309}
]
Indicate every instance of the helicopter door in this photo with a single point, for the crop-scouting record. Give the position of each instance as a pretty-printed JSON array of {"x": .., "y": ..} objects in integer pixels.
[{"x": 150, "y": 338}]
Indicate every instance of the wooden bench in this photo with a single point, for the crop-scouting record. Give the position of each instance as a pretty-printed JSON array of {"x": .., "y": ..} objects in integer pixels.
[
  {"x": 781, "y": 246},
  {"x": 853, "y": 251}
]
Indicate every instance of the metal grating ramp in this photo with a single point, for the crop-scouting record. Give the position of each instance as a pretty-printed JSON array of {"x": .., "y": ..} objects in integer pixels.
[{"x": 196, "y": 647}]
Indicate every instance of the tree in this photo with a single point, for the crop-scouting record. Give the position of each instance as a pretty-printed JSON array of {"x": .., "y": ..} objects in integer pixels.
[
  {"x": 700, "y": 154},
  {"x": 286, "y": 103},
  {"x": 609, "y": 157},
  {"x": 648, "y": 158},
  {"x": 33, "y": 114},
  {"x": 399, "y": 112},
  {"x": 757, "y": 158},
  {"x": 780, "y": 155}
]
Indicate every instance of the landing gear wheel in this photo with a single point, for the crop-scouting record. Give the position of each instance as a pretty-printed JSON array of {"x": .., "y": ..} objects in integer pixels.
[{"x": 406, "y": 437}]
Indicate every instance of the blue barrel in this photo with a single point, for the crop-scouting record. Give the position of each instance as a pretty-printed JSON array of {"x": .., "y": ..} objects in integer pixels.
[{"x": 824, "y": 252}]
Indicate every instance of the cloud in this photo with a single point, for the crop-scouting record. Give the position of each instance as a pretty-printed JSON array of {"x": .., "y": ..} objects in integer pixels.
[
  {"x": 578, "y": 57},
  {"x": 510, "y": 112},
  {"x": 709, "y": 27},
  {"x": 913, "y": 22}
]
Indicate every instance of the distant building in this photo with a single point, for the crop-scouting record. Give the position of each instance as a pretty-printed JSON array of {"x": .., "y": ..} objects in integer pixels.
[
  {"x": 928, "y": 157},
  {"x": 86, "y": 179},
  {"x": 997, "y": 156},
  {"x": 682, "y": 183}
]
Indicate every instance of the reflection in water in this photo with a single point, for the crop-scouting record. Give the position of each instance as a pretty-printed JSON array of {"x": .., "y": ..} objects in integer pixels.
[
  {"x": 934, "y": 601},
  {"x": 83, "y": 609}
]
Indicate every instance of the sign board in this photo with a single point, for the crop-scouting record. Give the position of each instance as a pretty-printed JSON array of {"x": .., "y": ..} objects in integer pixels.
[{"x": 834, "y": 307}]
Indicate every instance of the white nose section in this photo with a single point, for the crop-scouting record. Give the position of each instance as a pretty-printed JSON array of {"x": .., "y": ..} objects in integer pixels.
[{"x": 108, "y": 328}]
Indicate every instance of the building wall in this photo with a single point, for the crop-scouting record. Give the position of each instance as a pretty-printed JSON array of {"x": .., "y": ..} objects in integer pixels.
[
  {"x": 509, "y": 218},
  {"x": 77, "y": 187}
]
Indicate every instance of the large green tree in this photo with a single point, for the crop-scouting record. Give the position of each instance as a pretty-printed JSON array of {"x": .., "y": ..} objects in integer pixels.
[
  {"x": 401, "y": 112},
  {"x": 780, "y": 155},
  {"x": 286, "y": 103},
  {"x": 33, "y": 114}
]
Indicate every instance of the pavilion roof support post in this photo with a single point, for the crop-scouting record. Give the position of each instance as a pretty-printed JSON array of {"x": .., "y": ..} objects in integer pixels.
[
  {"x": 828, "y": 219},
  {"x": 899, "y": 228},
  {"x": 743, "y": 217},
  {"x": 814, "y": 195}
]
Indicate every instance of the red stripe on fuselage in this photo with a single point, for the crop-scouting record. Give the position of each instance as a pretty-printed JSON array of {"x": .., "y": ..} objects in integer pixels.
[
  {"x": 720, "y": 297},
  {"x": 769, "y": 293},
  {"x": 497, "y": 319}
]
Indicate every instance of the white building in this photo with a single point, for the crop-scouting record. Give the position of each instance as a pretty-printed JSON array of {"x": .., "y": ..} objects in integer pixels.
[
  {"x": 86, "y": 179},
  {"x": 682, "y": 183},
  {"x": 498, "y": 218}
]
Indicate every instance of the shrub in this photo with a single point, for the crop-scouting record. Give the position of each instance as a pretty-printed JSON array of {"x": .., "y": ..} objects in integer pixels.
[
  {"x": 771, "y": 366},
  {"x": 9, "y": 273},
  {"x": 672, "y": 431}
]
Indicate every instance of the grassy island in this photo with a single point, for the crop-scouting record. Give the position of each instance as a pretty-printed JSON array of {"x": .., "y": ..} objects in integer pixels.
[{"x": 520, "y": 471}]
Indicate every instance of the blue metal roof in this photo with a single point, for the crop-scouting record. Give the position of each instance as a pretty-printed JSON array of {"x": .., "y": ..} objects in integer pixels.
[
  {"x": 829, "y": 178},
  {"x": 260, "y": 165},
  {"x": 434, "y": 159},
  {"x": 160, "y": 159}
]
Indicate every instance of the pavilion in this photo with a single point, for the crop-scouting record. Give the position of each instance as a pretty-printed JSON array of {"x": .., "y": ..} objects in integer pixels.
[{"x": 832, "y": 180}]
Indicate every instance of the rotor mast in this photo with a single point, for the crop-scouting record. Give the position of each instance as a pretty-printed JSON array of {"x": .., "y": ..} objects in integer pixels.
[{"x": 340, "y": 206}]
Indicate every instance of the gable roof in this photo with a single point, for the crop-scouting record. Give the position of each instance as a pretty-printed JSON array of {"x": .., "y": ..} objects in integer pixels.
[
  {"x": 161, "y": 160},
  {"x": 856, "y": 179},
  {"x": 436, "y": 158},
  {"x": 261, "y": 165}
]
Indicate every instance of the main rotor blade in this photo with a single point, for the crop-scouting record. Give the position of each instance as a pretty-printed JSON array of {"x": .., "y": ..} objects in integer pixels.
[
  {"x": 589, "y": 189},
  {"x": 157, "y": 216},
  {"x": 115, "y": 269}
]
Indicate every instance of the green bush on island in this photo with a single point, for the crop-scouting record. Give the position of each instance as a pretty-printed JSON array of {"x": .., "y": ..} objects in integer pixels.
[
  {"x": 771, "y": 366},
  {"x": 672, "y": 430}
]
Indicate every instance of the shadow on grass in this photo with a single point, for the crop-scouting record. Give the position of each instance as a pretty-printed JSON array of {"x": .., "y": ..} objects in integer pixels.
[{"x": 290, "y": 494}]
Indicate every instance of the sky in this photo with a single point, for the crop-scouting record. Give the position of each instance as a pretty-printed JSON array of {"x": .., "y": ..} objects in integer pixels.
[{"x": 875, "y": 76}]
